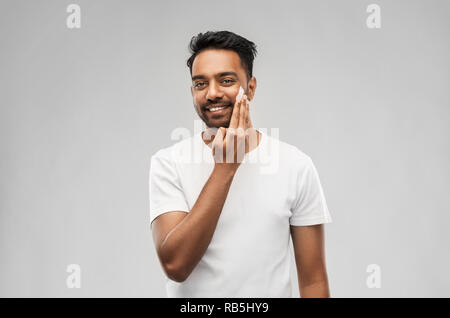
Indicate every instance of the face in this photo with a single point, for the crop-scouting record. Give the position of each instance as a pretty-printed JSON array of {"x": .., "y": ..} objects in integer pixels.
[{"x": 216, "y": 78}]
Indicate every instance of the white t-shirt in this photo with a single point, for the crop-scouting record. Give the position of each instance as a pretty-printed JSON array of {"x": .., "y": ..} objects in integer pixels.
[{"x": 276, "y": 186}]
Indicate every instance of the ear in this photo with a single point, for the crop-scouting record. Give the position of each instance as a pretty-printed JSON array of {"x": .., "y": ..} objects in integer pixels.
[
  {"x": 192, "y": 91},
  {"x": 251, "y": 88}
]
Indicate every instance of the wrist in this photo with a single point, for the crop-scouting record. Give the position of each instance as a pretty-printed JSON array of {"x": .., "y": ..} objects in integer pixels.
[{"x": 226, "y": 169}]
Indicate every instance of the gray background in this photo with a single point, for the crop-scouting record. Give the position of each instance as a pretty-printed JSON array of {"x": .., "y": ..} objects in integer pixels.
[{"x": 82, "y": 111}]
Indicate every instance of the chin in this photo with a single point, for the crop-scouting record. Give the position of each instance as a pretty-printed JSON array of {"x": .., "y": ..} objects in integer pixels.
[{"x": 218, "y": 125}]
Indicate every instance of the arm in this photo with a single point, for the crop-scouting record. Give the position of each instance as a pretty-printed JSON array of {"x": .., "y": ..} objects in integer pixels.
[
  {"x": 309, "y": 250},
  {"x": 182, "y": 240}
]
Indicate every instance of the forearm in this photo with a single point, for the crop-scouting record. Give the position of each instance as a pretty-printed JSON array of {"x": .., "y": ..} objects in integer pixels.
[{"x": 185, "y": 245}]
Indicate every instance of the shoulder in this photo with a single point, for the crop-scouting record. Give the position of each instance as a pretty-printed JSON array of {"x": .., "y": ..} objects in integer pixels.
[
  {"x": 290, "y": 155},
  {"x": 175, "y": 152}
]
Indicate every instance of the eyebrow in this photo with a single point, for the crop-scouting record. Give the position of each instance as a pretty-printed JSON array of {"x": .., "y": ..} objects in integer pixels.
[{"x": 218, "y": 75}]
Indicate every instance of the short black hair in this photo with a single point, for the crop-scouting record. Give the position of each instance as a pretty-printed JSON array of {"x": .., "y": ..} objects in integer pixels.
[{"x": 224, "y": 40}]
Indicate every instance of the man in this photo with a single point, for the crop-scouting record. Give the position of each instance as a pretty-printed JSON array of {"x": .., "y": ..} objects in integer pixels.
[{"x": 221, "y": 228}]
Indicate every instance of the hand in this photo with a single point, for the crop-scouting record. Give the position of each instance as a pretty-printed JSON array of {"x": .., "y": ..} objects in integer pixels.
[{"x": 230, "y": 144}]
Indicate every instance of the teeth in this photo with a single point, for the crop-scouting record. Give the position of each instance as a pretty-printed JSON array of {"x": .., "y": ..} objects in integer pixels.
[{"x": 213, "y": 109}]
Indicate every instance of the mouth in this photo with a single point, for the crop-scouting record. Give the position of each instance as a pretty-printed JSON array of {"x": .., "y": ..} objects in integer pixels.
[{"x": 217, "y": 109}]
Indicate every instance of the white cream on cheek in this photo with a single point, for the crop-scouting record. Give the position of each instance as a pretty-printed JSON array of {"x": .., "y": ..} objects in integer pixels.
[{"x": 240, "y": 94}]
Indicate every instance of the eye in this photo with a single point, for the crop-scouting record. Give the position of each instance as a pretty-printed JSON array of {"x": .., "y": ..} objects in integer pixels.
[
  {"x": 199, "y": 84},
  {"x": 228, "y": 81}
]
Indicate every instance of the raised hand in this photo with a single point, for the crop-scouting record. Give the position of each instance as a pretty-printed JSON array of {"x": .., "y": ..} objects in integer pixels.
[{"x": 230, "y": 144}]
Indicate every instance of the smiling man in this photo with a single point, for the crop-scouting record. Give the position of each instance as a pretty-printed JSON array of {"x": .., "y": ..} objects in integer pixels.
[{"x": 221, "y": 228}]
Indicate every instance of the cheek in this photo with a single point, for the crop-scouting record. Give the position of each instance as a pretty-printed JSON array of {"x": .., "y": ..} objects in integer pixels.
[
  {"x": 196, "y": 101},
  {"x": 199, "y": 100},
  {"x": 232, "y": 94}
]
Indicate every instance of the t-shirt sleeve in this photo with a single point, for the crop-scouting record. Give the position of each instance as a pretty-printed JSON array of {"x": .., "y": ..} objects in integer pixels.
[
  {"x": 165, "y": 190},
  {"x": 309, "y": 206}
]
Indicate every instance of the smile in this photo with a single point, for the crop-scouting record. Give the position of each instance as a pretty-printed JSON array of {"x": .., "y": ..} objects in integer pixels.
[{"x": 217, "y": 109}]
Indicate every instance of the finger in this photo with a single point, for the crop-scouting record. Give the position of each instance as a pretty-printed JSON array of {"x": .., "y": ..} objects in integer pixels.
[
  {"x": 217, "y": 145},
  {"x": 248, "y": 137},
  {"x": 230, "y": 144},
  {"x": 247, "y": 116},
  {"x": 209, "y": 134},
  {"x": 242, "y": 112},
  {"x": 230, "y": 136},
  {"x": 235, "y": 115},
  {"x": 218, "y": 139},
  {"x": 249, "y": 121}
]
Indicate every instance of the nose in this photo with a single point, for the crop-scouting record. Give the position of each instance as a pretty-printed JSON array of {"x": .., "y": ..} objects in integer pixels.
[{"x": 214, "y": 92}]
